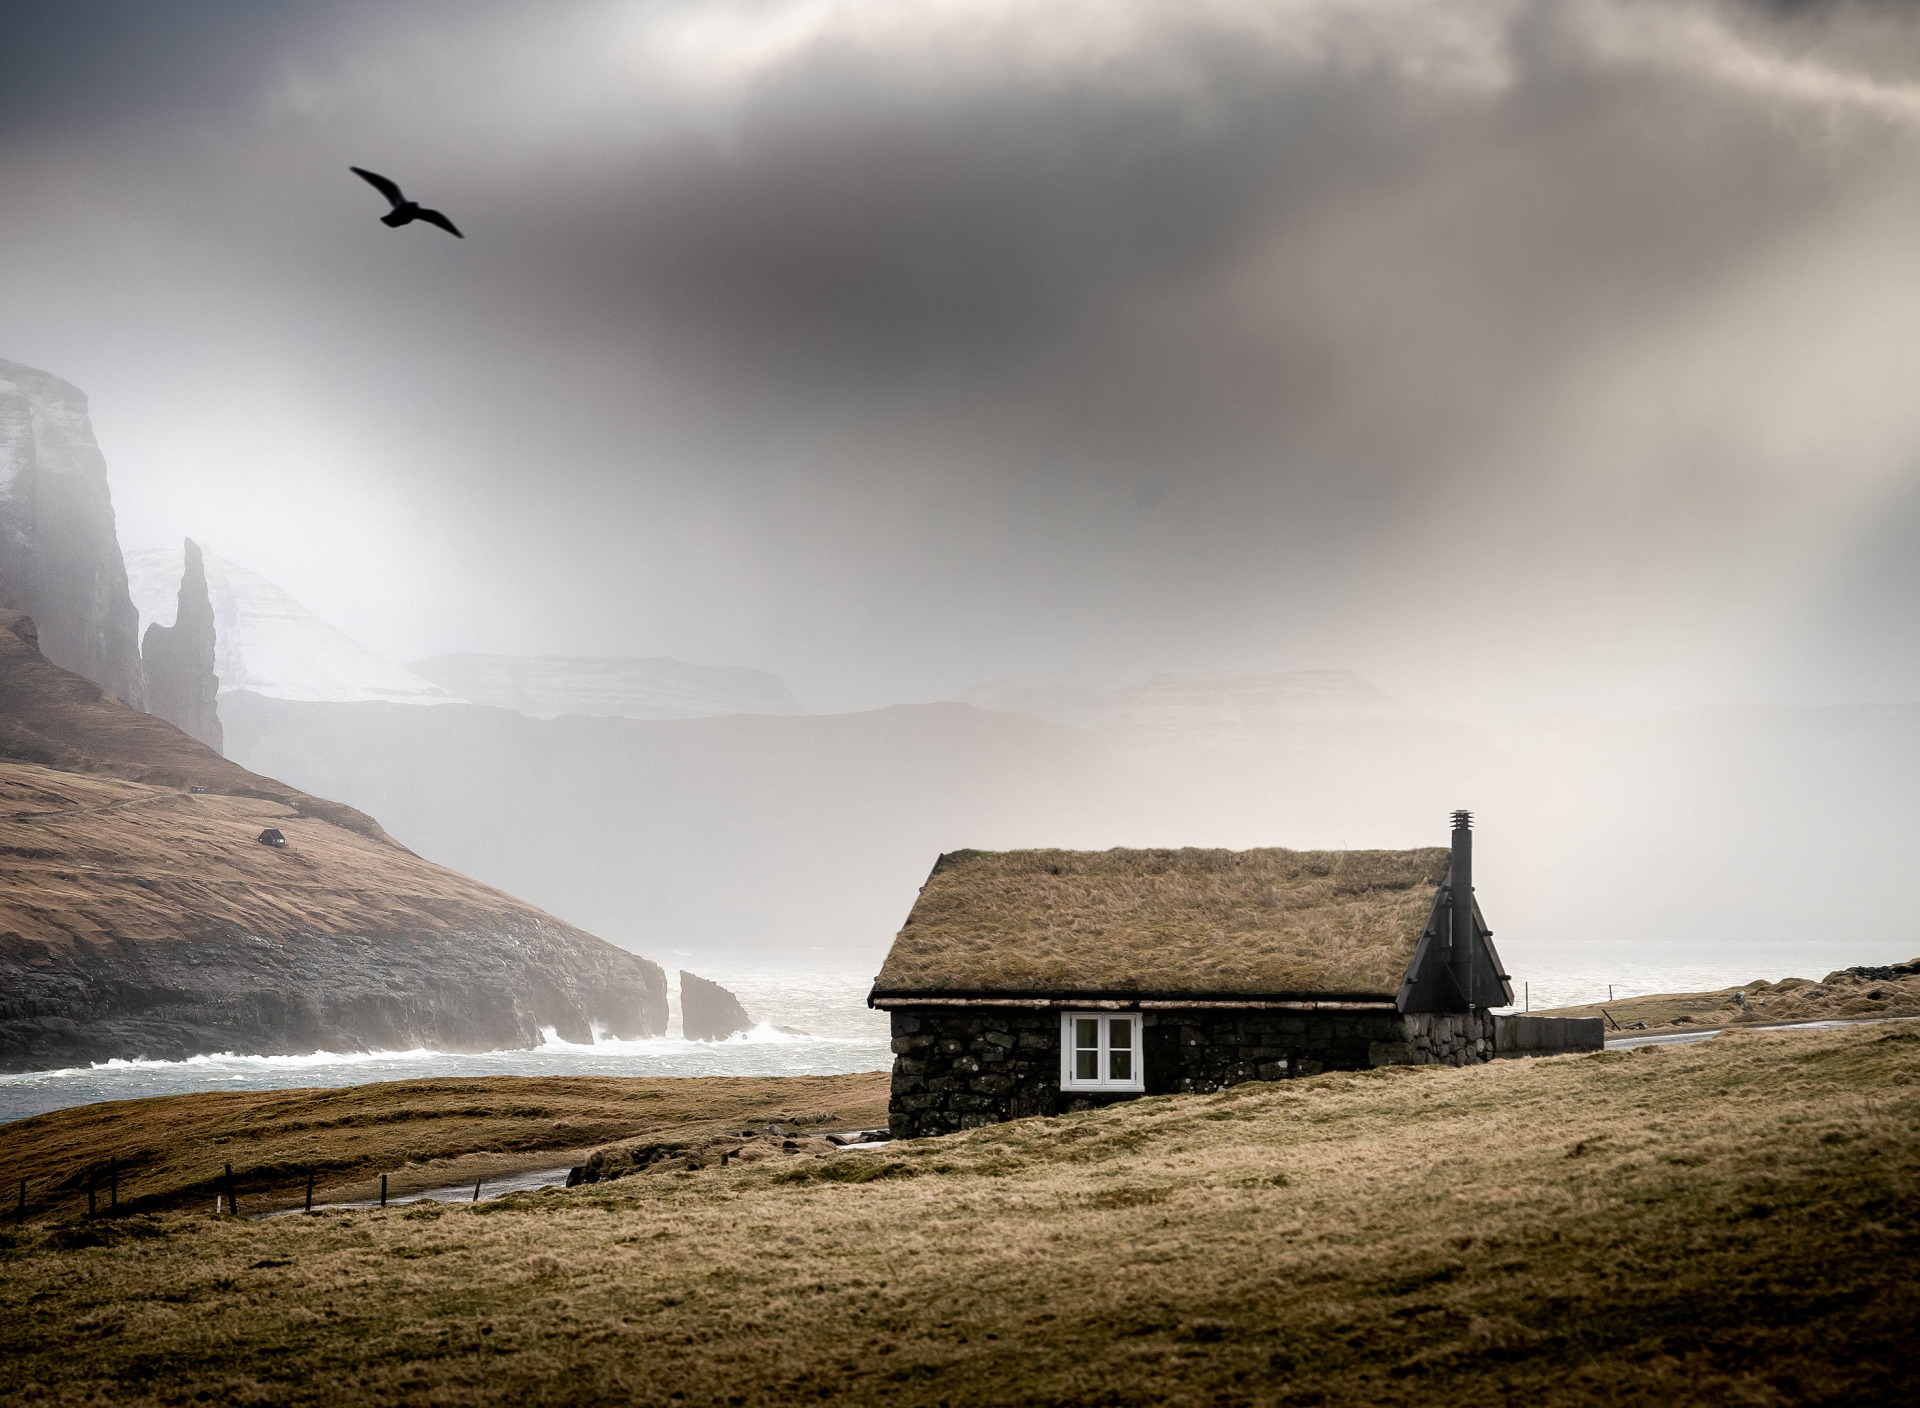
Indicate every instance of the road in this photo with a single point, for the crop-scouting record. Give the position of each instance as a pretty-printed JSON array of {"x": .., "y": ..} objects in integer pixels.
[{"x": 1627, "y": 1043}]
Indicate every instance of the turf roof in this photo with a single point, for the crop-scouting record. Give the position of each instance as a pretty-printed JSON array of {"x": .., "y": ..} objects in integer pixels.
[{"x": 1185, "y": 922}]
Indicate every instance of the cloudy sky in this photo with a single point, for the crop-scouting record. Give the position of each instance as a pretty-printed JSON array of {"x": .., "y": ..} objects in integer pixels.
[{"x": 1519, "y": 356}]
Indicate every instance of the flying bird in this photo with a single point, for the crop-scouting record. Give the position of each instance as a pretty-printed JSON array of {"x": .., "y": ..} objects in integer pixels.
[{"x": 404, "y": 211}]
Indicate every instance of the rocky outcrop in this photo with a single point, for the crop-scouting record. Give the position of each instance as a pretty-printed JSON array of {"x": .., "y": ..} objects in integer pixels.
[
  {"x": 59, "y": 556},
  {"x": 268, "y": 643},
  {"x": 680, "y": 1155},
  {"x": 1885, "y": 973},
  {"x": 178, "y": 659},
  {"x": 708, "y": 1012},
  {"x": 492, "y": 987},
  {"x": 140, "y": 916}
]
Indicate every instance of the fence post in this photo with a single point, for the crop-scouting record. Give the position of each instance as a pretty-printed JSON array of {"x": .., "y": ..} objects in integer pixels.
[
  {"x": 383, "y": 1190},
  {"x": 309, "y": 1190},
  {"x": 233, "y": 1203},
  {"x": 476, "y": 1190}
]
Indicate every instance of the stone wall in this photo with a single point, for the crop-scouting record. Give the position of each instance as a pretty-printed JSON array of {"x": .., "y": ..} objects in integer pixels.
[
  {"x": 962, "y": 1067},
  {"x": 1525, "y": 1035},
  {"x": 1445, "y": 1039}
]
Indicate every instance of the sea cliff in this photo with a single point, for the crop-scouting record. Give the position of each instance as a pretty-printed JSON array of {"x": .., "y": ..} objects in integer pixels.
[{"x": 141, "y": 914}]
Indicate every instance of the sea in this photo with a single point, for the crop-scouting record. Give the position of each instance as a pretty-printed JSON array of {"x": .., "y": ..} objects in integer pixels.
[{"x": 808, "y": 1022}]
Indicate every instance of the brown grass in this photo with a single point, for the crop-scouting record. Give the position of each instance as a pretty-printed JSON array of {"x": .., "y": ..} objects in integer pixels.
[
  {"x": 1187, "y": 921},
  {"x": 60, "y": 720},
  {"x": 1838, "y": 996},
  {"x": 101, "y": 839},
  {"x": 422, "y": 1133},
  {"x": 91, "y": 859},
  {"x": 1727, "y": 1223}
]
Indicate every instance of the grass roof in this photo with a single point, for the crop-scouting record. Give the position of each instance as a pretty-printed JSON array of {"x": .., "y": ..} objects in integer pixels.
[{"x": 1270, "y": 922}]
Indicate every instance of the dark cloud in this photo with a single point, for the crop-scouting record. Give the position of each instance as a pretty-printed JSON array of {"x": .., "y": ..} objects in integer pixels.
[
  {"x": 896, "y": 347},
  {"x": 85, "y": 61}
]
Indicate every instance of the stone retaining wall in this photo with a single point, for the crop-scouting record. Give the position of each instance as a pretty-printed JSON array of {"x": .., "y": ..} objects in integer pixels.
[
  {"x": 1525, "y": 1035},
  {"x": 959, "y": 1068},
  {"x": 1446, "y": 1039}
]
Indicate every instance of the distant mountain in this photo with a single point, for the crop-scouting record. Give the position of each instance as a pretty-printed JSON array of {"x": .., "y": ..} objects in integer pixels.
[
  {"x": 749, "y": 836},
  {"x": 268, "y": 643},
  {"x": 1306, "y": 758},
  {"x": 142, "y": 912},
  {"x": 547, "y": 686},
  {"x": 1187, "y": 705},
  {"x": 1673, "y": 837},
  {"x": 59, "y": 557}
]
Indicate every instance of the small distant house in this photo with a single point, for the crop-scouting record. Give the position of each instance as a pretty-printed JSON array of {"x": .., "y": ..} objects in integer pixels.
[
  {"x": 272, "y": 837},
  {"x": 1040, "y": 982}
]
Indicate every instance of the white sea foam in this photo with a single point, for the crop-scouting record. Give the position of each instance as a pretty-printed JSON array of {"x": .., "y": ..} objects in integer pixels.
[
  {"x": 212, "y": 1064},
  {"x": 764, "y": 1051},
  {"x": 763, "y": 1034},
  {"x": 213, "y": 1060}
]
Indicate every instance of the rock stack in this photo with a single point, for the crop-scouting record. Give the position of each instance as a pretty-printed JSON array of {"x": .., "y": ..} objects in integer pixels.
[
  {"x": 708, "y": 1012},
  {"x": 178, "y": 659}
]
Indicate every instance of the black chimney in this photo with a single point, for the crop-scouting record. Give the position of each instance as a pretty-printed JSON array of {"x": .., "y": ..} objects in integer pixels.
[{"x": 1462, "y": 903}]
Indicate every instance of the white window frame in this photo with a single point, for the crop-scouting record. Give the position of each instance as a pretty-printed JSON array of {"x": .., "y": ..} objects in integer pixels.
[{"x": 1136, "y": 1084}]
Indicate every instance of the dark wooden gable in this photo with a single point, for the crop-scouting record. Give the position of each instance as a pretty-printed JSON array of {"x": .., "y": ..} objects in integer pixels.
[{"x": 1431, "y": 984}]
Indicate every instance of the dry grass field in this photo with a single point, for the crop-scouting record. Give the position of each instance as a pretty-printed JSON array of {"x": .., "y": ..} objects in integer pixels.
[
  {"x": 171, "y": 1152},
  {"x": 1839, "y": 996},
  {"x": 1734, "y": 1222}
]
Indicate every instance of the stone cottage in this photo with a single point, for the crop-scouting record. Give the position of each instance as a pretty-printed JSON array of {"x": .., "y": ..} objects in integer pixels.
[{"x": 1040, "y": 982}]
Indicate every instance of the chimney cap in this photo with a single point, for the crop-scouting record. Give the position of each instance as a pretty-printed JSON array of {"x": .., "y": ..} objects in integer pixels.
[{"x": 1463, "y": 821}]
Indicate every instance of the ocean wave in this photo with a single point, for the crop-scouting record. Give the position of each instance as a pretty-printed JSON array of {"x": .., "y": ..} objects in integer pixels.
[
  {"x": 214, "y": 1064},
  {"x": 231, "y": 1060},
  {"x": 763, "y": 1034}
]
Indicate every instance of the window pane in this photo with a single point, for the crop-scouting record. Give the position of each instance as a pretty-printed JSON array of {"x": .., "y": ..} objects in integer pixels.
[
  {"x": 1086, "y": 1032},
  {"x": 1086, "y": 1064},
  {"x": 1120, "y": 1032},
  {"x": 1122, "y": 1065}
]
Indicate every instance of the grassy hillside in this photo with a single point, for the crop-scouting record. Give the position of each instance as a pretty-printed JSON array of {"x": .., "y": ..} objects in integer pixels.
[
  {"x": 140, "y": 915},
  {"x": 1732, "y": 1222},
  {"x": 1841, "y": 996},
  {"x": 171, "y": 1151}
]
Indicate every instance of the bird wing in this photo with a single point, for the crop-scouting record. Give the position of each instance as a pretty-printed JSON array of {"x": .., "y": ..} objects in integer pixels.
[
  {"x": 434, "y": 217},
  {"x": 379, "y": 183}
]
